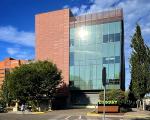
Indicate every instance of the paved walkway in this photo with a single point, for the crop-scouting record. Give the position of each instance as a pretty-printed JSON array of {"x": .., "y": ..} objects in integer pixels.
[{"x": 137, "y": 115}]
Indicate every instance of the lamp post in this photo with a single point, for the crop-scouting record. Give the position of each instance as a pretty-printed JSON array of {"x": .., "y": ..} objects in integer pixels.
[{"x": 104, "y": 85}]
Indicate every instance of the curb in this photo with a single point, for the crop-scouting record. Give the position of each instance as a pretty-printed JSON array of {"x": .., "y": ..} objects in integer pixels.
[
  {"x": 100, "y": 115},
  {"x": 93, "y": 114},
  {"x": 137, "y": 116},
  {"x": 35, "y": 113}
]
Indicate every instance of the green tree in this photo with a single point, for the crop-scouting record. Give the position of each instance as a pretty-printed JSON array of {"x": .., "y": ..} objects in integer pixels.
[
  {"x": 139, "y": 65},
  {"x": 33, "y": 81}
]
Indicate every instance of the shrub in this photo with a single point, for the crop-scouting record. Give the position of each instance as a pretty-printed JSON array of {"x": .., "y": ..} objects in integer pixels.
[{"x": 113, "y": 95}]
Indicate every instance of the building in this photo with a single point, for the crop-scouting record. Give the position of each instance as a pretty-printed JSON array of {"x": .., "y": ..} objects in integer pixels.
[
  {"x": 7, "y": 65},
  {"x": 81, "y": 46}
]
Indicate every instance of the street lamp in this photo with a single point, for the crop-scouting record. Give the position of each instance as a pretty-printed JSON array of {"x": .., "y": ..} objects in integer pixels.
[{"x": 104, "y": 84}]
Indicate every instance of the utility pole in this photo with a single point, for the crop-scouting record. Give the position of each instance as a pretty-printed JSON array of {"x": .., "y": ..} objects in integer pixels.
[{"x": 104, "y": 85}]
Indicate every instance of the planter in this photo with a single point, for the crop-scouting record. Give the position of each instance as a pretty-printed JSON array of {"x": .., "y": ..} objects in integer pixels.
[{"x": 108, "y": 108}]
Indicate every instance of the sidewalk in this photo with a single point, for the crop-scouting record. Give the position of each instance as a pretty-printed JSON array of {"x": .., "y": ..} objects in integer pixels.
[
  {"x": 25, "y": 112},
  {"x": 134, "y": 115},
  {"x": 137, "y": 115}
]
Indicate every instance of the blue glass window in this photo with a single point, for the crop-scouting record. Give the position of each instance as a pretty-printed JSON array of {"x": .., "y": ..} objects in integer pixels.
[
  {"x": 71, "y": 42},
  {"x": 111, "y": 60},
  {"x": 105, "y": 38},
  {"x": 117, "y": 59},
  {"x": 105, "y": 60},
  {"x": 117, "y": 37},
  {"x": 111, "y": 37},
  {"x": 71, "y": 58}
]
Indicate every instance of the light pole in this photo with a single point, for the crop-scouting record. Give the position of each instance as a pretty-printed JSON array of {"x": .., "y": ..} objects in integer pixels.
[{"x": 104, "y": 85}]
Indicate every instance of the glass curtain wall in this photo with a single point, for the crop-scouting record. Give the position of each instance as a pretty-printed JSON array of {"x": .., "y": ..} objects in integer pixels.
[{"x": 91, "y": 48}]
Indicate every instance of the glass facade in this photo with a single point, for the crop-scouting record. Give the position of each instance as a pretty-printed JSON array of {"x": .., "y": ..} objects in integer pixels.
[{"x": 93, "y": 47}]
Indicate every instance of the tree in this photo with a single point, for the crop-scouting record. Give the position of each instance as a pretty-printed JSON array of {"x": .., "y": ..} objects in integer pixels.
[
  {"x": 33, "y": 81},
  {"x": 139, "y": 65}
]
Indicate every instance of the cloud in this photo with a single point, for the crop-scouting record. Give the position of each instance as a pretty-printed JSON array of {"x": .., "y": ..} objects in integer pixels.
[
  {"x": 19, "y": 53},
  {"x": 11, "y": 34},
  {"x": 79, "y": 10},
  {"x": 12, "y": 51}
]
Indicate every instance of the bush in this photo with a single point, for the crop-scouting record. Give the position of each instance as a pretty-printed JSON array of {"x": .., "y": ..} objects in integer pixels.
[
  {"x": 114, "y": 95},
  {"x": 110, "y": 102},
  {"x": 33, "y": 104}
]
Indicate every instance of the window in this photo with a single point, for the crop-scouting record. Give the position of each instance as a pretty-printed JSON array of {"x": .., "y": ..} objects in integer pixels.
[
  {"x": 117, "y": 59},
  {"x": 105, "y": 38},
  {"x": 117, "y": 37},
  {"x": 71, "y": 42},
  {"x": 105, "y": 60},
  {"x": 111, "y": 60},
  {"x": 111, "y": 37},
  {"x": 71, "y": 58}
]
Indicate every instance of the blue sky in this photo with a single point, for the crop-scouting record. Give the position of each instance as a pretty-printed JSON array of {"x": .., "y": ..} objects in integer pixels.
[{"x": 17, "y": 34}]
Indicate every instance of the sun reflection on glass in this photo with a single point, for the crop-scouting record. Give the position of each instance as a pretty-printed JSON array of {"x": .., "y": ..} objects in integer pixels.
[{"x": 82, "y": 33}]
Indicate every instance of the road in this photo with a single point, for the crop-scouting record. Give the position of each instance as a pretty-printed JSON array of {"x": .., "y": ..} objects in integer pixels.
[
  {"x": 71, "y": 114},
  {"x": 50, "y": 117}
]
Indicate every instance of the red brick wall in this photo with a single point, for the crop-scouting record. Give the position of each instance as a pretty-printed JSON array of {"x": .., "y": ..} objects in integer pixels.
[
  {"x": 9, "y": 63},
  {"x": 52, "y": 39}
]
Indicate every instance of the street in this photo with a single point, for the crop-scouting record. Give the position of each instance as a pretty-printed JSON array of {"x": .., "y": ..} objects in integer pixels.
[
  {"x": 71, "y": 114},
  {"x": 74, "y": 114},
  {"x": 50, "y": 117}
]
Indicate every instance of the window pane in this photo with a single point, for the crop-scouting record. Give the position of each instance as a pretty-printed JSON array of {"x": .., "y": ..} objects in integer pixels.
[
  {"x": 111, "y": 28},
  {"x": 117, "y": 71},
  {"x": 117, "y": 59},
  {"x": 105, "y": 38},
  {"x": 111, "y": 50},
  {"x": 111, "y": 71},
  {"x": 105, "y": 60},
  {"x": 111, "y": 59},
  {"x": 118, "y": 27},
  {"x": 71, "y": 73},
  {"x": 71, "y": 42},
  {"x": 117, "y": 49},
  {"x": 117, "y": 37},
  {"x": 71, "y": 58},
  {"x": 111, "y": 37}
]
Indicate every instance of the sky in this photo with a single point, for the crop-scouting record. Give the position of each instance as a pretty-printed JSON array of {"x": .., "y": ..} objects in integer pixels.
[{"x": 17, "y": 29}]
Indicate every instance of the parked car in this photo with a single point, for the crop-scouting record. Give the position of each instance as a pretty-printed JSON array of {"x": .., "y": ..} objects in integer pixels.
[
  {"x": 148, "y": 107},
  {"x": 2, "y": 108}
]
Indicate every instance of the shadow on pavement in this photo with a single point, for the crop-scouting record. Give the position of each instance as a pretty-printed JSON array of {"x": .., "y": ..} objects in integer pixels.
[{"x": 146, "y": 118}]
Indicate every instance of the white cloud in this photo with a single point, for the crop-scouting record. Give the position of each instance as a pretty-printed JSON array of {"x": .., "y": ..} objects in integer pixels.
[
  {"x": 146, "y": 30},
  {"x": 24, "y": 55},
  {"x": 12, "y": 51},
  {"x": 75, "y": 10},
  {"x": 13, "y": 35},
  {"x": 19, "y": 53},
  {"x": 79, "y": 11}
]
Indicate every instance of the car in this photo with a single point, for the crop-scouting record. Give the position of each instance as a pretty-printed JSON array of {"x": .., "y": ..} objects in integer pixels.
[
  {"x": 148, "y": 107},
  {"x": 2, "y": 108}
]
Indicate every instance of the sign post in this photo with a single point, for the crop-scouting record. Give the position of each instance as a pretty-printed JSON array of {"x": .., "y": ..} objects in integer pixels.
[{"x": 104, "y": 84}]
